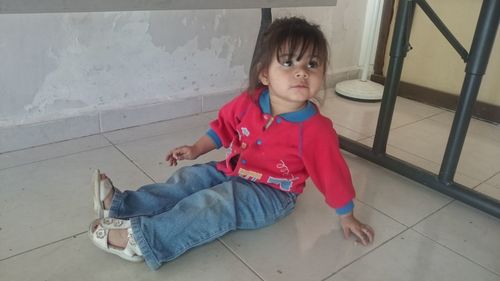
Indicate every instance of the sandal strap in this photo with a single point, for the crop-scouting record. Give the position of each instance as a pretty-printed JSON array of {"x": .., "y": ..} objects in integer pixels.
[
  {"x": 112, "y": 223},
  {"x": 106, "y": 187},
  {"x": 102, "y": 188},
  {"x": 99, "y": 237}
]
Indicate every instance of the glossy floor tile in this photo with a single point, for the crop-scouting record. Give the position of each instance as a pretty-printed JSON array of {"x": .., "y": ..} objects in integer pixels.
[
  {"x": 396, "y": 196},
  {"x": 423, "y": 163},
  {"x": 466, "y": 231},
  {"x": 427, "y": 138},
  {"x": 149, "y": 153},
  {"x": 308, "y": 244},
  {"x": 77, "y": 259},
  {"x": 362, "y": 117},
  {"x": 50, "y": 200},
  {"x": 411, "y": 256},
  {"x": 421, "y": 234},
  {"x": 160, "y": 128}
]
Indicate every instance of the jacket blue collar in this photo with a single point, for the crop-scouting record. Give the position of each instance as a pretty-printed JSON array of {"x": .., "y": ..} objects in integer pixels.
[{"x": 297, "y": 116}]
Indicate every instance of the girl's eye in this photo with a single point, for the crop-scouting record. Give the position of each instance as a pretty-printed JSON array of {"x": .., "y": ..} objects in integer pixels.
[
  {"x": 287, "y": 63},
  {"x": 313, "y": 64}
]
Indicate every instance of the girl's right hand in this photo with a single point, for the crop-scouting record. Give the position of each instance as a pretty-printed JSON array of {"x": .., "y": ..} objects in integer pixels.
[
  {"x": 186, "y": 152},
  {"x": 363, "y": 232}
]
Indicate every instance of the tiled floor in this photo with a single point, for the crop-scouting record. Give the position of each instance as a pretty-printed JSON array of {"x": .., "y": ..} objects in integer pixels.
[{"x": 45, "y": 208}]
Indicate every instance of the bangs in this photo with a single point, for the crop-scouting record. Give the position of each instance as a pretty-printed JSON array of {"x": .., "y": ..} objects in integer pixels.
[{"x": 296, "y": 44}]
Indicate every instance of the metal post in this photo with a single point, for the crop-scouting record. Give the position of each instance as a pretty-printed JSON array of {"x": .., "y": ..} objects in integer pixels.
[
  {"x": 483, "y": 40},
  {"x": 399, "y": 48},
  {"x": 265, "y": 20}
]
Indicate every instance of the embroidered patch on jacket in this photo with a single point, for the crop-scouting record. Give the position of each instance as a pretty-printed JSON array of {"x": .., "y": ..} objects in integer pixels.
[
  {"x": 245, "y": 131},
  {"x": 284, "y": 184},
  {"x": 249, "y": 175}
]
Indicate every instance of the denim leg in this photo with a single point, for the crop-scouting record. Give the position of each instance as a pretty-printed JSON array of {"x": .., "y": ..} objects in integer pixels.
[
  {"x": 208, "y": 214},
  {"x": 156, "y": 198}
]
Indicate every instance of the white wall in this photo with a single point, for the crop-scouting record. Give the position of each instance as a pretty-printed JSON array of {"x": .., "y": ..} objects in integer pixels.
[{"x": 75, "y": 74}]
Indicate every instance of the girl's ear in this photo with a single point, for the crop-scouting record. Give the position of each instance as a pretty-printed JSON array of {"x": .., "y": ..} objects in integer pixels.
[{"x": 263, "y": 78}]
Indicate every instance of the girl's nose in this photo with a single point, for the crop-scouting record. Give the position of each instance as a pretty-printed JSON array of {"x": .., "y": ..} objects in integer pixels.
[{"x": 301, "y": 73}]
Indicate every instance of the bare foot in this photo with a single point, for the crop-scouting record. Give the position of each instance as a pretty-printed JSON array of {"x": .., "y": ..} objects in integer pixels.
[{"x": 118, "y": 237}]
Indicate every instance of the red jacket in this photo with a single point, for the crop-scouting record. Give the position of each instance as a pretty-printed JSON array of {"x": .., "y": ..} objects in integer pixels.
[{"x": 284, "y": 150}]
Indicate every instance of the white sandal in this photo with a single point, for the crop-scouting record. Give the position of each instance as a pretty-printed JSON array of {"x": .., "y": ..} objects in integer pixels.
[
  {"x": 98, "y": 234},
  {"x": 101, "y": 189}
]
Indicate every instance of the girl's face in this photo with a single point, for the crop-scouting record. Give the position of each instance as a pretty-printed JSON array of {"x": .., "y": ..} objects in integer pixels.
[{"x": 292, "y": 81}]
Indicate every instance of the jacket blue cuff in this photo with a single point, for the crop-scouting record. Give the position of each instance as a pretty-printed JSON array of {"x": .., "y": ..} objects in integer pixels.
[
  {"x": 346, "y": 209},
  {"x": 215, "y": 138}
]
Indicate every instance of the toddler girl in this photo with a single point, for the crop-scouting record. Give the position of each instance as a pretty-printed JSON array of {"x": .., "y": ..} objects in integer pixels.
[{"x": 275, "y": 139}]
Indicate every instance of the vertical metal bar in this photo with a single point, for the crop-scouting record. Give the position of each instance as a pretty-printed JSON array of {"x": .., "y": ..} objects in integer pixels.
[
  {"x": 399, "y": 48},
  {"x": 483, "y": 40},
  {"x": 265, "y": 20}
]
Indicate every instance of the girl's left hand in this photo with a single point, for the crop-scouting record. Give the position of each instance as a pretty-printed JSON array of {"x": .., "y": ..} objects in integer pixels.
[
  {"x": 363, "y": 232},
  {"x": 185, "y": 152}
]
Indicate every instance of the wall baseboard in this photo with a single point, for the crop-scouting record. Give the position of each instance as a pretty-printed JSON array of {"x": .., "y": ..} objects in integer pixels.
[
  {"x": 481, "y": 110},
  {"x": 35, "y": 134}
]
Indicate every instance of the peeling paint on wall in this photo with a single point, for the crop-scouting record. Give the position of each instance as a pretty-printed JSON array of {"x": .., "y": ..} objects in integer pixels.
[
  {"x": 110, "y": 60},
  {"x": 63, "y": 65}
]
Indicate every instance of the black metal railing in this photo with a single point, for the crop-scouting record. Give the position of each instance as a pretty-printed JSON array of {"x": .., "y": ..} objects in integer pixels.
[{"x": 476, "y": 62}]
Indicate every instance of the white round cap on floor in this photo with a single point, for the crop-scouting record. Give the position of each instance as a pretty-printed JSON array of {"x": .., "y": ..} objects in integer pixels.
[{"x": 360, "y": 90}]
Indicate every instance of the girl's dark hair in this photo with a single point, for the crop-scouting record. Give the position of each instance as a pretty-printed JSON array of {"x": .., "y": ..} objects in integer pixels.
[{"x": 291, "y": 36}]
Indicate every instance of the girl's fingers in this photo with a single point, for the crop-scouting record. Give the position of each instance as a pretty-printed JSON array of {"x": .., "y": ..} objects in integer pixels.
[
  {"x": 179, "y": 155},
  {"x": 360, "y": 234},
  {"x": 365, "y": 234},
  {"x": 346, "y": 232},
  {"x": 369, "y": 232}
]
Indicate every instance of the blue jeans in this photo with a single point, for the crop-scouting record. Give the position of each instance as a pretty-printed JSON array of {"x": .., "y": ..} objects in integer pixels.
[{"x": 196, "y": 205}]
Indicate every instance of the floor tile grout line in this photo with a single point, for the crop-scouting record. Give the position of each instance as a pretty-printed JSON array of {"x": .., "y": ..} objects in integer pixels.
[
  {"x": 43, "y": 246},
  {"x": 154, "y": 136},
  {"x": 416, "y": 121},
  {"x": 392, "y": 128},
  {"x": 365, "y": 254},
  {"x": 485, "y": 181},
  {"x": 382, "y": 212},
  {"x": 407, "y": 124},
  {"x": 240, "y": 259},
  {"x": 431, "y": 214},
  {"x": 335, "y": 125},
  {"x": 46, "y": 144},
  {"x": 459, "y": 254},
  {"x": 57, "y": 157},
  {"x": 133, "y": 162}
]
